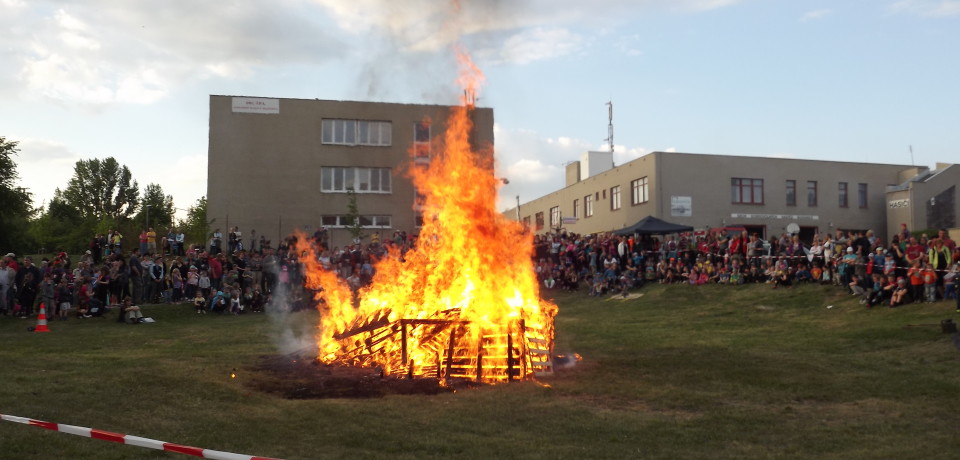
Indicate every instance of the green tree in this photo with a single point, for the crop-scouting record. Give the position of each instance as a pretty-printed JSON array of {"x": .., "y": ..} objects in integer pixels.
[
  {"x": 195, "y": 226},
  {"x": 353, "y": 216},
  {"x": 60, "y": 226},
  {"x": 103, "y": 190},
  {"x": 156, "y": 208},
  {"x": 17, "y": 207}
]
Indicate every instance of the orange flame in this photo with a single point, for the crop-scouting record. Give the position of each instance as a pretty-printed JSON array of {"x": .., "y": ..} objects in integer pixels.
[{"x": 464, "y": 301}]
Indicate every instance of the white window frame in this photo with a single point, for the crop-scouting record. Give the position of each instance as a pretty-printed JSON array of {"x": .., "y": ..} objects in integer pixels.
[
  {"x": 588, "y": 206},
  {"x": 339, "y": 131},
  {"x": 615, "y": 197},
  {"x": 640, "y": 190},
  {"x": 361, "y": 180},
  {"x": 341, "y": 221}
]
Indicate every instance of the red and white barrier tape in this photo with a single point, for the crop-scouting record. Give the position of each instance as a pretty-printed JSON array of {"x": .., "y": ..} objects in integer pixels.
[{"x": 132, "y": 440}]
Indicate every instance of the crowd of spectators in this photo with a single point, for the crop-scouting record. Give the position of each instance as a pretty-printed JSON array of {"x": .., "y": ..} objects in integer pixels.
[
  {"x": 908, "y": 269},
  {"x": 110, "y": 277},
  {"x": 245, "y": 276}
]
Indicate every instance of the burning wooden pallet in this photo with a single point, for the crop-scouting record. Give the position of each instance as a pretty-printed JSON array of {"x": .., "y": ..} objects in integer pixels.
[{"x": 449, "y": 348}]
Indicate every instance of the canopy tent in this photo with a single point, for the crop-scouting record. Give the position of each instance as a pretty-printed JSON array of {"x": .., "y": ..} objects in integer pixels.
[{"x": 652, "y": 226}]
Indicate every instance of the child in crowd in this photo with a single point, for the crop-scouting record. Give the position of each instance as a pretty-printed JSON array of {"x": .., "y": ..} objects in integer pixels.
[
  {"x": 64, "y": 298},
  {"x": 949, "y": 283},
  {"x": 200, "y": 302},
  {"x": 258, "y": 301},
  {"x": 177, "y": 285},
  {"x": 47, "y": 293},
  {"x": 816, "y": 273},
  {"x": 901, "y": 294},
  {"x": 167, "y": 289},
  {"x": 735, "y": 277},
  {"x": 204, "y": 284},
  {"x": 915, "y": 274},
  {"x": 930, "y": 283}
]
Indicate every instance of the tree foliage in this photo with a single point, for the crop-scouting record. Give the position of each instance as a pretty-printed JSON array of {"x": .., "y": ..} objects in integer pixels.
[
  {"x": 103, "y": 190},
  {"x": 17, "y": 203},
  {"x": 195, "y": 226},
  {"x": 157, "y": 206},
  {"x": 353, "y": 216}
]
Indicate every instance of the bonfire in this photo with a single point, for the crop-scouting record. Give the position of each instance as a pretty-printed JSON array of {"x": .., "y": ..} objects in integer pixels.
[{"x": 464, "y": 302}]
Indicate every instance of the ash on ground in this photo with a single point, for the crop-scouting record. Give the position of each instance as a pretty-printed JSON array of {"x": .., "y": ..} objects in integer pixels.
[{"x": 301, "y": 376}]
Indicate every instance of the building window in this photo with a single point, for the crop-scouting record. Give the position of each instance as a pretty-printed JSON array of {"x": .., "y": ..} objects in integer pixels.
[
  {"x": 811, "y": 193},
  {"x": 356, "y": 132},
  {"x": 615, "y": 198},
  {"x": 862, "y": 195},
  {"x": 588, "y": 206},
  {"x": 842, "y": 193},
  {"x": 360, "y": 180},
  {"x": 747, "y": 191},
  {"x": 555, "y": 217},
  {"x": 539, "y": 219},
  {"x": 791, "y": 193},
  {"x": 640, "y": 189},
  {"x": 526, "y": 222},
  {"x": 576, "y": 208},
  {"x": 365, "y": 221},
  {"x": 421, "y": 140}
]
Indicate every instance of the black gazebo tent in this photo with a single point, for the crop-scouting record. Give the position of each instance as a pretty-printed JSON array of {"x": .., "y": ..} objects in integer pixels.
[{"x": 652, "y": 226}]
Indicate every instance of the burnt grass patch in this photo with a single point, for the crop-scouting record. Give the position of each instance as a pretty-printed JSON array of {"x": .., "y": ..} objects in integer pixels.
[{"x": 299, "y": 376}]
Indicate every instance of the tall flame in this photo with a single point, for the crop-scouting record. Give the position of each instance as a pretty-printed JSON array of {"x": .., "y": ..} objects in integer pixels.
[{"x": 464, "y": 296}]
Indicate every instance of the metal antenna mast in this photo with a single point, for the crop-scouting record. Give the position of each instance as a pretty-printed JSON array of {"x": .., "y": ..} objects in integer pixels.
[
  {"x": 609, "y": 138},
  {"x": 912, "y": 163}
]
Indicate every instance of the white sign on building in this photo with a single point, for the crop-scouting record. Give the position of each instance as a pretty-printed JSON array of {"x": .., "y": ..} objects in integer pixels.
[
  {"x": 256, "y": 105},
  {"x": 681, "y": 206}
]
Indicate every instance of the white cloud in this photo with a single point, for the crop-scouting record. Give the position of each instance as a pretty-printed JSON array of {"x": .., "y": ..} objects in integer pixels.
[
  {"x": 538, "y": 44},
  {"x": 815, "y": 14},
  {"x": 931, "y": 8},
  {"x": 536, "y": 165},
  {"x": 101, "y": 52}
]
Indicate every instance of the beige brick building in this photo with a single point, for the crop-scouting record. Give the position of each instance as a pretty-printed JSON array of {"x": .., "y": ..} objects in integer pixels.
[
  {"x": 765, "y": 195},
  {"x": 276, "y": 165}
]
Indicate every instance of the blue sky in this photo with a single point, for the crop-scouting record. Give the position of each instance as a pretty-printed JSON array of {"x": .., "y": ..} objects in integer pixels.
[{"x": 853, "y": 80}]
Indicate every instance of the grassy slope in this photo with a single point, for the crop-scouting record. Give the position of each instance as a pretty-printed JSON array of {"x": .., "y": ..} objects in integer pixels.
[{"x": 680, "y": 372}]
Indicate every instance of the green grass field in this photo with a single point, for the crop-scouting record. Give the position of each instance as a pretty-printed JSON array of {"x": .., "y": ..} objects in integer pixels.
[{"x": 681, "y": 372}]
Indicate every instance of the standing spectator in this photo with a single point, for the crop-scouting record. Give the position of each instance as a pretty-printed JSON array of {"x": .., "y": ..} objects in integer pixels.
[
  {"x": 7, "y": 275},
  {"x": 180, "y": 241},
  {"x": 64, "y": 298},
  {"x": 117, "y": 242},
  {"x": 151, "y": 241},
  {"x": 171, "y": 242},
  {"x": 216, "y": 272},
  {"x": 47, "y": 293},
  {"x": 930, "y": 283},
  {"x": 143, "y": 241},
  {"x": 939, "y": 257},
  {"x": 943, "y": 236},
  {"x": 156, "y": 274},
  {"x": 28, "y": 282},
  {"x": 215, "y": 244},
  {"x": 232, "y": 240},
  {"x": 136, "y": 275}
]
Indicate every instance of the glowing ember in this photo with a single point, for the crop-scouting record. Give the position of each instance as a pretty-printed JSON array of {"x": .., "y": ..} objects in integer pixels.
[{"x": 464, "y": 302}]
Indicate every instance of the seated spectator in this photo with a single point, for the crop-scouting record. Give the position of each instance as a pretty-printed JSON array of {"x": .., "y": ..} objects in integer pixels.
[
  {"x": 901, "y": 294},
  {"x": 129, "y": 312},
  {"x": 218, "y": 303},
  {"x": 200, "y": 303}
]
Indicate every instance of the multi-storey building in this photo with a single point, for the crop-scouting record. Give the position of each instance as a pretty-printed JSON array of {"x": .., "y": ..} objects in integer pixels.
[
  {"x": 768, "y": 196},
  {"x": 279, "y": 165}
]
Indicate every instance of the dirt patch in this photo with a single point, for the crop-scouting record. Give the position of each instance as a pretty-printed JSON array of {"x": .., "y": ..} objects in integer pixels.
[{"x": 297, "y": 376}]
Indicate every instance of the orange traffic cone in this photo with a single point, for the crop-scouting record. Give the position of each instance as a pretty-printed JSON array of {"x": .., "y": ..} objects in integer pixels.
[{"x": 42, "y": 320}]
